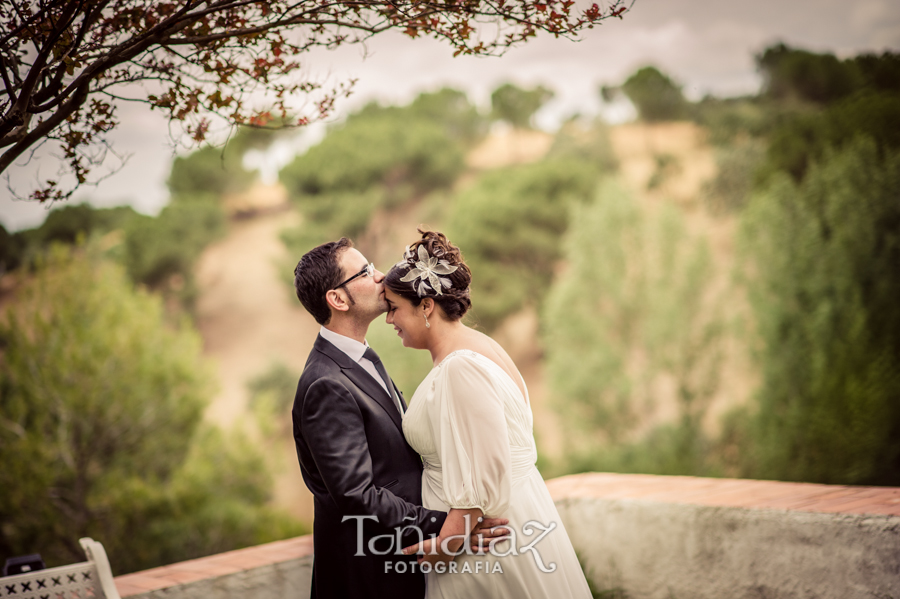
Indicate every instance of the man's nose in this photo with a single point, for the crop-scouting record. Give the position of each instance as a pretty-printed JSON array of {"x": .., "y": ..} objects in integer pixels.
[{"x": 379, "y": 276}]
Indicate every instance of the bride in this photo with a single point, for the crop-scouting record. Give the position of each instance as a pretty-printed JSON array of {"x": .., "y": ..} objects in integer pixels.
[{"x": 471, "y": 422}]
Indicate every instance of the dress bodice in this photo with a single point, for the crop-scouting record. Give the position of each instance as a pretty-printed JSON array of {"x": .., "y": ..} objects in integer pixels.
[{"x": 473, "y": 428}]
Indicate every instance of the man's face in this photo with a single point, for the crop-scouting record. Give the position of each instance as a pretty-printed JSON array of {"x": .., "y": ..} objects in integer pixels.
[{"x": 365, "y": 293}]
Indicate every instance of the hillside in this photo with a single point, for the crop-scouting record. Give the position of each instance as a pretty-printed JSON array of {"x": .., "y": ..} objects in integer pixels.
[{"x": 249, "y": 319}]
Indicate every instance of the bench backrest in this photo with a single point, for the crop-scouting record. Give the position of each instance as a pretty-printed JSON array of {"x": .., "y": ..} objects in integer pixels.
[{"x": 87, "y": 580}]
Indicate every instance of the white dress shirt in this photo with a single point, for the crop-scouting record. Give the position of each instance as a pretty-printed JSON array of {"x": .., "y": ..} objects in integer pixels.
[{"x": 355, "y": 350}]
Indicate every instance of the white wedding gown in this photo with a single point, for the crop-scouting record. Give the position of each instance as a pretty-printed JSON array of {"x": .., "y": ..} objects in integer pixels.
[{"x": 472, "y": 427}]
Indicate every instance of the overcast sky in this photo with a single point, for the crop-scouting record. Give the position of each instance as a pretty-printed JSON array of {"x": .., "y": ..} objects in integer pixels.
[{"x": 706, "y": 45}]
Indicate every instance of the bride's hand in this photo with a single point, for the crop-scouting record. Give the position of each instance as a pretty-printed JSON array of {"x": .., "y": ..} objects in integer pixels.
[{"x": 487, "y": 532}]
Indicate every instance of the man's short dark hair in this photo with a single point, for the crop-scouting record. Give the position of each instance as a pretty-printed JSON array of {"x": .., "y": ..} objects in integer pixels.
[{"x": 318, "y": 272}]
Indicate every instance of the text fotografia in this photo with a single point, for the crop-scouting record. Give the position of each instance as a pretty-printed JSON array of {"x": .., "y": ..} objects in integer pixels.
[
  {"x": 391, "y": 544},
  {"x": 474, "y": 567}
]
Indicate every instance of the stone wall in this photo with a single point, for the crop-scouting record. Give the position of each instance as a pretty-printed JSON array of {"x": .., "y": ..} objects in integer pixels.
[
  {"x": 655, "y": 537},
  {"x": 644, "y": 537}
]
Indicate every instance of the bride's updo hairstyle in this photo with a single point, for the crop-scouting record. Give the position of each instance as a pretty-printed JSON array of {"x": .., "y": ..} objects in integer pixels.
[{"x": 422, "y": 276}]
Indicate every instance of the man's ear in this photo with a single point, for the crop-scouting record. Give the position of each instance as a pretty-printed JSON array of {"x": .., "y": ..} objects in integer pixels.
[{"x": 337, "y": 301}]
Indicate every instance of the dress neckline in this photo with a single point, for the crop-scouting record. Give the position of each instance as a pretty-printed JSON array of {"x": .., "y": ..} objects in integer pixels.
[{"x": 525, "y": 398}]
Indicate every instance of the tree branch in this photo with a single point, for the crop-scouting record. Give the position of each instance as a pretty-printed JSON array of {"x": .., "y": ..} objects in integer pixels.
[
  {"x": 45, "y": 127},
  {"x": 56, "y": 83},
  {"x": 15, "y": 116}
]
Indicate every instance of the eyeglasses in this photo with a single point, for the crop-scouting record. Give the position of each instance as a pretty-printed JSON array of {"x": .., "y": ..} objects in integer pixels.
[{"x": 367, "y": 271}]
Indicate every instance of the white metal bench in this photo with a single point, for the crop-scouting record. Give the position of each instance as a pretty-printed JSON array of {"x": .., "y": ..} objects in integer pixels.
[{"x": 88, "y": 580}]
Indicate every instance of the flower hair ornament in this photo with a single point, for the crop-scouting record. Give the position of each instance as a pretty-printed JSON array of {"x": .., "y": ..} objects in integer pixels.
[{"x": 428, "y": 270}]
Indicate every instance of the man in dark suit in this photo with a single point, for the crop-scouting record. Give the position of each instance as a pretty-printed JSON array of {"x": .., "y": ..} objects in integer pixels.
[{"x": 347, "y": 416}]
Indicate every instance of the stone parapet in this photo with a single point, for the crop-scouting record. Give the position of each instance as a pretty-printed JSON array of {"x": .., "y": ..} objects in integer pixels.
[
  {"x": 643, "y": 537},
  {"x": 674, "y": 537}
]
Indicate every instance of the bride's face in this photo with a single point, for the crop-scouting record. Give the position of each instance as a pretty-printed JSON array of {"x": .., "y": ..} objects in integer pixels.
[{"x": 407, "y": 320}]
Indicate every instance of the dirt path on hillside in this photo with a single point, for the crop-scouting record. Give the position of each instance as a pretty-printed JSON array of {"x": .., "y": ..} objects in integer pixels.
[{"x": 248, "y": 321}]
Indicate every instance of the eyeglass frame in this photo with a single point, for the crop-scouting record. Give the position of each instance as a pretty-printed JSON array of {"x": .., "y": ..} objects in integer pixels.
[{"x": 367, "y": 271}]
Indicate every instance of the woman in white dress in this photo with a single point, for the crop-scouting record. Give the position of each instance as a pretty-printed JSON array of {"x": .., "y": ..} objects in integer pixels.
[{"x": 471, "y": 422}]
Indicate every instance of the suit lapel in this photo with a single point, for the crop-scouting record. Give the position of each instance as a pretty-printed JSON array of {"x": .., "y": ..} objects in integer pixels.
[{"x": 362, "y": 379}]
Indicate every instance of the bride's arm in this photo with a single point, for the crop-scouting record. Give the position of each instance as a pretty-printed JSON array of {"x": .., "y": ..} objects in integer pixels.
[{"x": 457, "y": 527}]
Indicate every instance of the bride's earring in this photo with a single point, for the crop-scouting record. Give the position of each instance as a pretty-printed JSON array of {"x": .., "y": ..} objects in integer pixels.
[{"x": 427, "y": 324}]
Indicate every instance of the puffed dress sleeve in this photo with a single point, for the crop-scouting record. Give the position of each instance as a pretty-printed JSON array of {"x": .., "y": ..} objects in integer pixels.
[{"x": 471, "y": 437}]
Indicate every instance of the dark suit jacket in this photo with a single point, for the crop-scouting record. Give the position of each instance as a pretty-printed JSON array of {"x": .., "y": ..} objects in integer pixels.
[{"x": 356, "y": 462}]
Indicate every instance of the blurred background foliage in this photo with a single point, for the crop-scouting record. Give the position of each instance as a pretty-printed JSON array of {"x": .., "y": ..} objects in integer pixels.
[
  {"x": 630, "y": 312},
  {"x": 509, "y": 224},
  {"x": 101, "y": 430},
  {"x": 655, "y": 95},
  {"x": 381, "y": 158},
  {"x": 639, "y": 307},
  {"x": 516, "y": 106},
  {"x": 821, "y": 272}
]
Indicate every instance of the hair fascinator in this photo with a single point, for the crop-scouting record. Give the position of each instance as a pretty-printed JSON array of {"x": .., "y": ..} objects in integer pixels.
[{"x": 428, "y": 270}]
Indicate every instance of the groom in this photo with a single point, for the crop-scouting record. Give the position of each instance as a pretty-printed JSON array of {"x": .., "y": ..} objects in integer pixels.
[{"x": 365, "y": 479}]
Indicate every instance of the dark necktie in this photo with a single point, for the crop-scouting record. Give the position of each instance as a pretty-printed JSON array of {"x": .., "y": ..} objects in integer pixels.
[{"x": 379, "y": 367}]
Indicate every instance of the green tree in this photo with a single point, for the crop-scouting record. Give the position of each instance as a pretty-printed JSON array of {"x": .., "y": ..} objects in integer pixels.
[
  {"x": 100, "y": 403},
  {"x": 805, "y": 137},
  {"x": 655, "y": 95},
  {"x": 630, "y": 316},
  {"x": 64, "y": 224},
  {"x": 381, "y": 157},
  {"x": 822, "y": 277},
  {"x": 160, "y": 248},
  {"x": 452, "y": 109},
  {"x": 217, "y": 171},
  {"x": 585, "y": 142},
  {"x": 517, "y": 106},
  {"x": 509, "y": 225},
  {"x": 880, "y": 73},
  {"x": 209, "y": 170},
  {"x": 216, "y": 500},
  {"x": 792, "y": 73},
  {"x": 388, "y": 148},
  {"x": 67, "y": 223},
  {"x": 271, "y": 397},
  {"x": 10, "y": 251}
]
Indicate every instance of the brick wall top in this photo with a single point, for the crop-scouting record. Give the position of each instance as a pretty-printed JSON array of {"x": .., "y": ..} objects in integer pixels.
[
  {"x": 720, "y": 492},
  {"x": 213, "y": 566},
  {"x": 729, "y": 492}
]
